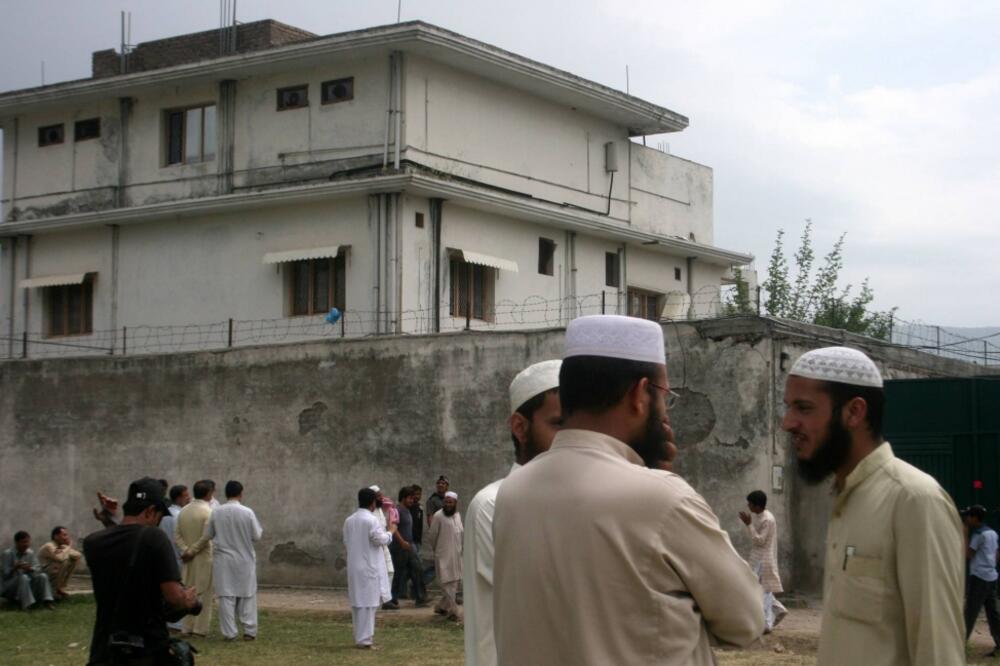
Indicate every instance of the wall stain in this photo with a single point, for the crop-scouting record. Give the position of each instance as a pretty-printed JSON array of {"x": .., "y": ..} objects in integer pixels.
[
  {"x": 310, "y": 418},
  {"x": 289, "y": 553}
]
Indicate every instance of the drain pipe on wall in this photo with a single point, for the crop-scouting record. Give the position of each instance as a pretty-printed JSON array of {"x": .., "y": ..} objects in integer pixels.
[
  {"x": 388, "y": 111},
  {"x": 435, "y": 210},
  {"x": 398, "y": 63},
  {"x": 11, "y": 243},
  {"x": 690, "y": 286}
]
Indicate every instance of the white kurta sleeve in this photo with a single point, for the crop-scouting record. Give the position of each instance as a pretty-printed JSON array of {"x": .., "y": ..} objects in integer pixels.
[
  {"x": 258, "y": 531},
  {"x": 377, "y": 535}
]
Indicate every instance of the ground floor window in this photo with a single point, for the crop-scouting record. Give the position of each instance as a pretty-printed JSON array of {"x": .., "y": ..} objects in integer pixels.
[
  {"x": 69, "y": 309},
  {"x": 316, "y": 285},
  {"x": 645, "y": 304},
  {"x": 472, "y": 290}
]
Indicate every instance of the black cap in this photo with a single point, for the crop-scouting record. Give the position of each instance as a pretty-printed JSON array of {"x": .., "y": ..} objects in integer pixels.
[
  {"x": 443, "y": 478},
  {"x": 145, "y": 492}
]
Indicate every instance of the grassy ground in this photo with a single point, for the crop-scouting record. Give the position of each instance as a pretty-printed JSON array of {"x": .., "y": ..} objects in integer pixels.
[{"x": 287, "y": 637}]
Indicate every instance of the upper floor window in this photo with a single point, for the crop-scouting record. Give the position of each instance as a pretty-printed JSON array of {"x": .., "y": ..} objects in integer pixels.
[
  {"x": 546, "y": 256},
  {"x": 294, "y": 97},
  {"x": 645, "y": 304},
  {"x": 87, "y": 129},
  {"x": 69, "y": 309},
  {"x": 471, "y": 290},
  {"x": 51, "y": 135},
  {"x": 338, "y": 90},
  {"x": 316, "y": 285},
  {"x": 191, "y": 135},
  {"x": 612, "y": 269}
]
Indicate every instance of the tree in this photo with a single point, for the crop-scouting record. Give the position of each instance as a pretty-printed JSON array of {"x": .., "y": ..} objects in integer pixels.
[{"x": 816, "y": 300}]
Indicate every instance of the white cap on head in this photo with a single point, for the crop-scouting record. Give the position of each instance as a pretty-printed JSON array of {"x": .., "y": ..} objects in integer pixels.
[
  {"x": 614, "y": 336},
  {"x": 452, "y": 495},
  {"x": 533, "y": 380},
  {"x": 375, "y": 488},
  {"x": 838, "y": 364}
]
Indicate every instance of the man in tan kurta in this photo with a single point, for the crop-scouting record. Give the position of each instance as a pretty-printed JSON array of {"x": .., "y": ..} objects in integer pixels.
[
  {"x": 58, "y": 559},
  {"x": 892, "y": 586},
  {"x": 764, "y": 556},
  {"x": 445, "y": 540},
  {"x": 582, "y": 575},
  {"x": 196, "y": 553}
]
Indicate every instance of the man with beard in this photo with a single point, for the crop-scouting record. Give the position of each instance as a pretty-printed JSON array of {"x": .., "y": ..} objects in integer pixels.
[
  {"x": 534, "y": 420},
  {"x": 382, "y": 517},
  {"x": 445, "y": 540},
  {"x": 892, "y": 588},
  {"x": 581, "y": 575}
]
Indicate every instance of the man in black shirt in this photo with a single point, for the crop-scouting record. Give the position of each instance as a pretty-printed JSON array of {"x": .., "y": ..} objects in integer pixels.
[
  {"x": 130, "y": 602},
  {"x": 404, "y": 555}
]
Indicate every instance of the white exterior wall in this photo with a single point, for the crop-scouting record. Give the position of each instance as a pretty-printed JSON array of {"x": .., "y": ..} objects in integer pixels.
[
  {"x": 482, "y": 130},
  {"x": 670, "y": 195}
]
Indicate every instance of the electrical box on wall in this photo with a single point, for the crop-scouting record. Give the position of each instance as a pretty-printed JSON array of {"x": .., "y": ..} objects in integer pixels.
[
  {"x": 777, "y": 478},
  {"x": 611, "y": 157}
]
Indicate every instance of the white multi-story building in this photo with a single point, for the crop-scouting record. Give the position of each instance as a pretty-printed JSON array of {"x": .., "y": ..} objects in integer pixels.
[{"x": 414, "y": 178}]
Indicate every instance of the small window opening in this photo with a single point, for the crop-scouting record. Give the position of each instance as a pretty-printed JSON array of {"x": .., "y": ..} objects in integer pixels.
[
  {"x": 419, "y": 219},
  {"x": 338, "y": 90},
  {"x": 51, "y": 135},
  {"x": 612, "y": 269},
  {"x": 294, "y": 97},
  {"x": 677, "y": 274},
  {"x": 546, "y": 256},
  {"x": 87, "y": 129}
]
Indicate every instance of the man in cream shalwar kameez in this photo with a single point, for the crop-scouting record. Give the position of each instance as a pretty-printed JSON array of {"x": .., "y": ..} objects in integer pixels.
[
  {"x": 367, "y": 584},
  {"x": 196, "y": 554},
  {"x": 895, "y": 561},
  {"x": 600, "y": 560},
  {"x": 534, "y": 420},
  {"x": 763, "y": 562},
  {"x": 445, "y": 541},
  {"x": 233, "y": 528}
]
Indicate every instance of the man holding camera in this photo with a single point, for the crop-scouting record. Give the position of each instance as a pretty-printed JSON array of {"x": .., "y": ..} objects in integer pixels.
[{"x": 136, "y": 584}]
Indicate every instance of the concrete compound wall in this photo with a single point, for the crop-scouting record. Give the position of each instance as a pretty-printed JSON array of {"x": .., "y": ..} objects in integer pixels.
[{"x": 303, "y": 426}]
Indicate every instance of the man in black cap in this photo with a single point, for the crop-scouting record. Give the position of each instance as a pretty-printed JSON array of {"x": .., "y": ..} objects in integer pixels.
[
  {"x": 134, "y": 571},
  {"x": 436, "y": 501}
]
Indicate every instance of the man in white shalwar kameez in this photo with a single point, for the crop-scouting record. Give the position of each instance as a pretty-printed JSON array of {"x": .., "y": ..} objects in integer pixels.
[
  {"x": 445, "y": 540},
  {"x": 233, "y": 528},
  {"x": 764, "y": 556},
  {"x": 367, "y": 581},
  {"x": 383, "y": 520},
  {"x": 534, "y": 420}
]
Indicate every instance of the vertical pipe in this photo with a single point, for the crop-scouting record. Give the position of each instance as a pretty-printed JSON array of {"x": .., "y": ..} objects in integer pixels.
[
  {"x": 604, "y": 295},
  {"x": 690, "y": 286},
  {"x": 399, "y": 106},
  {"x": 26, "y": 296},
  {"x": 399, "y": 261},
  {"x": 24, "y": 344},
  {"x": 125, "y": 120},
  {"x": 124, "y": 340},
  {"x": 230, "y": 343},
  {"x": 436, "y": 206},
  {"x": 343, "y": 323},
  {"x": 12, "y": 259},
  {"x": 13, "y": 176},
  {"x": 115, "y": 244},
  {"x": 388, "y": 111}
]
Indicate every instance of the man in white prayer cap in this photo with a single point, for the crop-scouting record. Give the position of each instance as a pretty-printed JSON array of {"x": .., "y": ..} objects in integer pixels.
[
  {"x": 892, "y": 587},
  {"x": 534, "y": 420},
  {"x": 581, "y": 575},
  {"x": 445, "y": 540},
  {"x": 383, "y": 520}
]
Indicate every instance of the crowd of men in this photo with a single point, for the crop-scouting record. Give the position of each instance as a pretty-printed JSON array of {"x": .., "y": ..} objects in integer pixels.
[{"x": 591, "y": 550}]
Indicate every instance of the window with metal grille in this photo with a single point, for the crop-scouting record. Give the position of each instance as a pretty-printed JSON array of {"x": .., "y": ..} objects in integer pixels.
[
  {"x": 190, "y": 135},
  {"x": 87, "y": 129},
  {"x": 69, "y": 309},
  {"x": 472, "y": 290},
  {"x": 51, "y": 135},
  {"x": 316, "y": 285},
  {"x": 645, "y": 304},
  {"x": 546, "y": 256},
  {"x": 337, "y": 90},
  {"x": 612, "y": 269},
  {"x": 294, "y": 97}
]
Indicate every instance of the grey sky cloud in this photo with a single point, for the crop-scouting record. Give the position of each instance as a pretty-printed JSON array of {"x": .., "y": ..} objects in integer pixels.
[{"x": 874, "y": 119}]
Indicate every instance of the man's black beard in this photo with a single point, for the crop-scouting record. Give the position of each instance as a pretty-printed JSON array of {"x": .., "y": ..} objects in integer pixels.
[
  {"x": 378, "y": 504},
  {"x": 830, "y": 454},
  {"x": 652, "y": 444},
  {"x": 448, "y": 512}
]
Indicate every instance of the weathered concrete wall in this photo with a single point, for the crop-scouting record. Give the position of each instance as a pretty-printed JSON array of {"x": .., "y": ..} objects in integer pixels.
[{"x": 304, "y": 426}]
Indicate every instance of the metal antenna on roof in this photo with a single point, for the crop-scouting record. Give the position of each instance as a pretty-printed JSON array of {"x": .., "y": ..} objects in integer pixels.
[
  {"x": 627, "y": 91},
  {"x": 227, "y": 26},
  {"x": 399, "y": 11},
  {"x": 126, "y": 41},
  {"x": 43, "y": 72}
]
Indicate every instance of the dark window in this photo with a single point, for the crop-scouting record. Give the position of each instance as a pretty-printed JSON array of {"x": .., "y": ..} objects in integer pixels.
[
  {"x": 677, "y": 274},
  {"x": 612, "y": 269},
  {"x": 471, "y": 290},
  {"x": 87, "y": 129},
  {"x": 295, "y": 97},
  {"x": 51, "y": 135},
  {"x": 316, "y": 285},
  {"x": 191, "y": 135},
  {"x": 546, "y": 256},
  {"x": 338, "y": 90},
  {"x": 419, "y": 220},
  {"x": 70, "y": 309},
  {"x": 645, "y": 304}
]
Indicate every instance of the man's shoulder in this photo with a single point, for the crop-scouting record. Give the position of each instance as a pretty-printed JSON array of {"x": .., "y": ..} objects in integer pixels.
[{"x": 911, "y": 481}]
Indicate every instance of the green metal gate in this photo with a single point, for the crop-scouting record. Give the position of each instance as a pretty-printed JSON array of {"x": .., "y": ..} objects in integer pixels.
[{"x": 950, "y": 428}]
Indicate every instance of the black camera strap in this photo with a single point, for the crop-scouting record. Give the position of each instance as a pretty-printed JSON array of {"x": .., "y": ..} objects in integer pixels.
[{"x": 125, "y": 590}]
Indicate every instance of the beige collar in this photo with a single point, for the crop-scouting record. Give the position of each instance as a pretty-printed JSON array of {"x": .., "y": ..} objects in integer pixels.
[
  {"x": 589, "y": 439},
  {"x": 870, "y": 464}
]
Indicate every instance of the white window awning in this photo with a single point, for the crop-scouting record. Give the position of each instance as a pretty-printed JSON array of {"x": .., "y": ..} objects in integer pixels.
[
  {"x": 302, "y": 255},
  {"x": 53, "y": 280},
  {"x": 481, "y": 259}
]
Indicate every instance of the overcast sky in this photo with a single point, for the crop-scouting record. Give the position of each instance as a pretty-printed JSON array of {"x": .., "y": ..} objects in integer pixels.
[{"x": 878, "y": 119}]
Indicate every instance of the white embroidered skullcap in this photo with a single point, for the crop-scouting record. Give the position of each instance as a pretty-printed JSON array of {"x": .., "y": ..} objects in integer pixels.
[
  {"x": 452, "y": 494},
  {"x": 838, "y": 364},
  {"x": 615, "y": 336},
  {"x": 534, "y": 380},
  {"x": 375, "y": 488}
]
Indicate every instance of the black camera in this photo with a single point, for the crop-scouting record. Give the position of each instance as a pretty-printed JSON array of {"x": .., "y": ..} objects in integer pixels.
[{"x": 124, "y": 644}]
